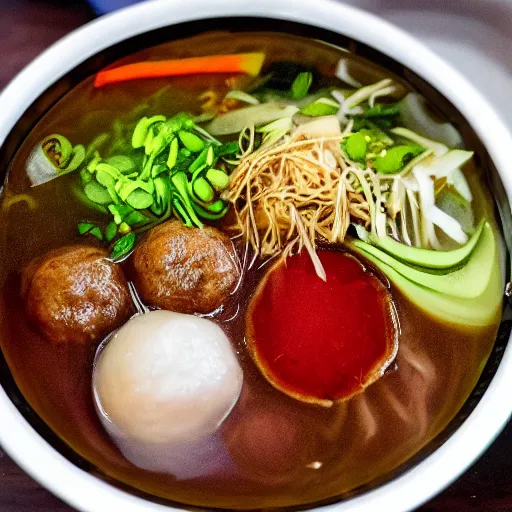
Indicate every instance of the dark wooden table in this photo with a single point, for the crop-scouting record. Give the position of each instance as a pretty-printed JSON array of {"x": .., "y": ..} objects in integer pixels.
[{"x": 28, "y": 27}]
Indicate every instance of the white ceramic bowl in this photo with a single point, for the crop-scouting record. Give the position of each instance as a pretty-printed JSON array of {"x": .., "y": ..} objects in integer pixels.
[{"x": 88, "y": 493}]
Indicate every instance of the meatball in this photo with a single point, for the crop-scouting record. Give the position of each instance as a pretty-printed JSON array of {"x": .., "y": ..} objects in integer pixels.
[
  {"x": 75, "y": 294},
  {"x": 188, "y": 270}
]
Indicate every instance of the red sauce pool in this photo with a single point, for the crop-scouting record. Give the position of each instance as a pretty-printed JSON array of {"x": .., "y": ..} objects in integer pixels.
[{"x": 321, "y": 341}]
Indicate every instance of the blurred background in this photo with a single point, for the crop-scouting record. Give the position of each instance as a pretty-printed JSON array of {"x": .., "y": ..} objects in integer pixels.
[{"x": 474, "y": 35}]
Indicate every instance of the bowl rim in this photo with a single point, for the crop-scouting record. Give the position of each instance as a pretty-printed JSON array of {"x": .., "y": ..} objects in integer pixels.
[{"x": 417, "y": 485}]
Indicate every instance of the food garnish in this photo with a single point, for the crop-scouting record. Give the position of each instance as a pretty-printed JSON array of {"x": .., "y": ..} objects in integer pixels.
[{"x": 249, "y": 63}]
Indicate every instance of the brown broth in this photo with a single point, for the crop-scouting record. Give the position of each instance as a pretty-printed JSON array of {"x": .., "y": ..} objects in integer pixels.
[{"x": 278, "y": 451}]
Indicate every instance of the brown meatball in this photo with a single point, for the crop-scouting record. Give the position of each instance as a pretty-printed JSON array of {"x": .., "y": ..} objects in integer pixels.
[
  {"x": 75, "y": 294},
  {"x": 188, "y": 270}
]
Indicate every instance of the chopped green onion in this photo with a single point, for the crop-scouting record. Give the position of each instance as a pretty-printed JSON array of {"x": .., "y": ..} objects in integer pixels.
[
  {"x": 123, "y": 246},
  {"x": 382, "y": 110},
  {"x": 109, "y": 169},
  {"x": 229, "y": 148},
  {"x": 119, "y": 211},
  {"x": 97, "y": 193},
  {"x": 141, "y": 130},
  {"x": 203, "y": 190},
  {"x": 300, "y": 86},
  {"x": 192, "y": 142},
  {"x": 139, "y": 199},
  {"x": 84, "y": 227},
  {"x": 218, "y": 179},
  {"x": 85, "y": 176},
  {"x": 124, "y": 228},
  {"x": 200, "y": 160},
  {"x": 96, "y": 231},
  {"x": 177, "y": 122},
  {"x": 179, "y": 180},
  {"x": 162, "y": 195},
  {"x": 181, "y": 212},
  {"x": 110, "y": 231},
  {"x": 214, "y": 211},
  {"x": 91, "y": 166},
  {"x": 158, "y": 169},
  {"x": 210, "y": 155},
  {"x": 134, "y": 218},
  {"x": 173, "y": 153},
  {"x": 77, "y": 158},
  {"x": 217, "y": 206},
  {"x": 57, "y": 149}
]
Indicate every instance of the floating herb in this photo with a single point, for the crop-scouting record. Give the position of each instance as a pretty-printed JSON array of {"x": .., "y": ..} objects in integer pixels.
[
  {"x": 356, "y": 147},
  {"x": 395, "y": 158},
  {"x": 300, "y": 86},
  {"x": 123, "y": 246},
  {"x": 110, "y": 231}
]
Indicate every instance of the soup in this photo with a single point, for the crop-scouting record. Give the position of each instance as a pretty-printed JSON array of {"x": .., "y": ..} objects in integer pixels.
[{"x": 273, "y": 299}]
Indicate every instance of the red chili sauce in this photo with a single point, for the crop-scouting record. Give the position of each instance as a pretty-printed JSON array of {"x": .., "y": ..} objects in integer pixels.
[{"x": 321, "y": 341}]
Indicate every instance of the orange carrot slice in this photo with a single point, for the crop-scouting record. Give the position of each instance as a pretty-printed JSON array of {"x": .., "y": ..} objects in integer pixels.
[{"x": 248, "y": 63}]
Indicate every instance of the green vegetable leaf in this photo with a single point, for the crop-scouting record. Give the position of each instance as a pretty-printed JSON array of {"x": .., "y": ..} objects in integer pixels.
[
  {"x": 122, "y": 163},
  {"x": 124, "y": 228},
  {"x": 84, "y": 227},
  {"x": 382, "y": 110},
  {"x": 110, "y": 231},
  {"x": 96, "y": 231},
  {"x": 396, "y": 158},
  {"x": 173, "y": 153},
  {"x": 213, "y": 211},
  {"x": 179, "y": 180},
  {"x": 123, "y": 246},
  {"x": 181, "y": 212},
  {"x": 356, "y": 147},
  {"x": 318, "y": 109},
  {"x": 218, "y": 179},
  {"x": 300, "y": 86},
  {"x": 229, "y": 148}
]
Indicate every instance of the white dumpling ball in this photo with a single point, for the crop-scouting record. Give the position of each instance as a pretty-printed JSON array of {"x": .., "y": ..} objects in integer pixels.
[{"x": 166, "y": 379}]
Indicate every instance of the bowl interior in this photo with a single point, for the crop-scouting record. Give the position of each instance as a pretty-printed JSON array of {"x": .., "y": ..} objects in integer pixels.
[{"x": 247, "y": 24}]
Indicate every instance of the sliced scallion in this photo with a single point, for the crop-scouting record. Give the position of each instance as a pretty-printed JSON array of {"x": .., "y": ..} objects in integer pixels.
[
  {"x": 84, "y": 227},
  {"x": 173, "y": 153},
  {"x": 139, "y": 199},
  {"x": 97, "y": 193},
  {"x": 203, "y": 190},
  {"x": 191, "y": 141},
  {"x": 218, "y": 179}
]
